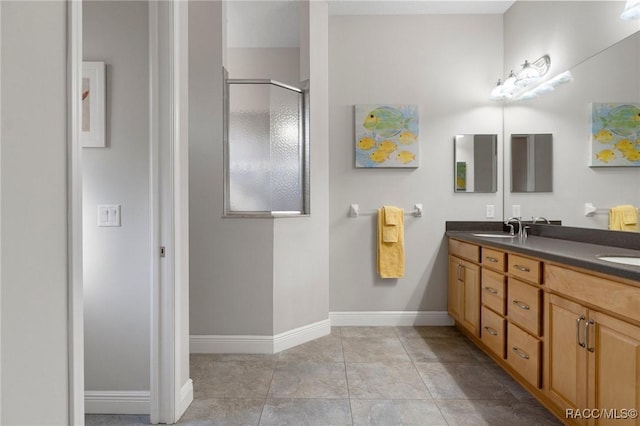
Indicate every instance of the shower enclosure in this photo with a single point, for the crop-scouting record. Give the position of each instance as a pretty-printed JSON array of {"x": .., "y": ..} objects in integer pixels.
[{"x": 266, "y": 155}]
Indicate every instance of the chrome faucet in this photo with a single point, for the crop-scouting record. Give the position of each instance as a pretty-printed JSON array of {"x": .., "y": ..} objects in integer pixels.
[
  {"x": 541, "y": 218},
  {"x": 517, "y": 220}
]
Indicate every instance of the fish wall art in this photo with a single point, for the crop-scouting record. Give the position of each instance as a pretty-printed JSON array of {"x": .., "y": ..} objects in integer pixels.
[
  {"x": 615, "y": 134},
  {"x": 386, "y": 135}
]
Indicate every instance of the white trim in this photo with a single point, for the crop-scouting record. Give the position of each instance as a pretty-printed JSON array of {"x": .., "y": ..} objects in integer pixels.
[
  {"x": 301, "y": 335},
  {"x": 75, "y": 310},
  {"x": 154, "y": 201},
  {"x": 238, "y": 344},
  {"x": 248, "y": 344},
  {"x": 186, "y": 396},
  {"x": 390, "y": 318},
  {"x": 117, "y": 402}
]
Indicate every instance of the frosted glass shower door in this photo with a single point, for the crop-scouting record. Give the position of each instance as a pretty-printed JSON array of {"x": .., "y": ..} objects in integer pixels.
[{"x": 265, "y": 149}]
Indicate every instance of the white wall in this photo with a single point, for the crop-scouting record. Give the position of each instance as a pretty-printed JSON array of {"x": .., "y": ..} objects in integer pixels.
[
  {"x": 276, "y": 63},
  {"x": 231, "y": 260},
  {"x": 565, "y": 30},
  {"x": 117, "y": 260},
  {"x": 34, "y": 214},
  {"x": 446, "y": 64},
  {"x": 301, "y": 245}
]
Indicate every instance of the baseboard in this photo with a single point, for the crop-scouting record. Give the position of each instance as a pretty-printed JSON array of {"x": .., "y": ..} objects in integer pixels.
[
  {"x": 301, "y": 335},
  {"x": 117, "y": 402},
  {"x": 390, "y": 318},
  {"x": 216, "y": 344},
  {"x": 186, "y": 398},
  {"x": 239, "y": 344}
]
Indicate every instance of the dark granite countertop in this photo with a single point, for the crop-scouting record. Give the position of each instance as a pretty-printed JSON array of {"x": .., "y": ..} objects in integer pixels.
[{"x": 573, "y": 253}]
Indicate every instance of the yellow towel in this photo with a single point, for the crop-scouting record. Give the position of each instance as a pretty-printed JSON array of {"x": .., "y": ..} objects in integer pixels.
[
  {"x": 390, "y": 242},
  {"x": 623, "y": 218}
]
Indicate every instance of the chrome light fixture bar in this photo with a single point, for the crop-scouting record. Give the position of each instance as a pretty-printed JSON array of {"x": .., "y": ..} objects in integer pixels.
[{"x": 519, "y": 86}]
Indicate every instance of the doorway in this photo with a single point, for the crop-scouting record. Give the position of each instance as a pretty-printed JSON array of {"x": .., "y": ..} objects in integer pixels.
[{"x": 141, "y": 345}]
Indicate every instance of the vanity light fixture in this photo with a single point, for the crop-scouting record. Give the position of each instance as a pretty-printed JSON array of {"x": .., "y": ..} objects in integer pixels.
[
  {"x": 524, "y": 85},
  {"x": 631, "y": 10}
]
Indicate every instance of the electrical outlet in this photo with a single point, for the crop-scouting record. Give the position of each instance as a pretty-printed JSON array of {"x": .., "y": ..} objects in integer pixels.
[
  {"x": 515, "y": 210},
  {"x": 490, "y": 210}
]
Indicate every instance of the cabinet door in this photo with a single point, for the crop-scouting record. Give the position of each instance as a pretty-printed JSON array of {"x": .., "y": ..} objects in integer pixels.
[
  {"x": 471, "y": 298},
  {"x": 565, "y": 361},
  {"x": 614, "y": 366},
  {"x": 455, "y": 289}
]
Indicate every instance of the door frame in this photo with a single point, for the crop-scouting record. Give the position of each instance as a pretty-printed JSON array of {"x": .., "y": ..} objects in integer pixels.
[{"x": 169, "y": 192}]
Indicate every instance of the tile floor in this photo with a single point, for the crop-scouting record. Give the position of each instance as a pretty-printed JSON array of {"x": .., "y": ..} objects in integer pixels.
[{"x": 357, "y": 376}]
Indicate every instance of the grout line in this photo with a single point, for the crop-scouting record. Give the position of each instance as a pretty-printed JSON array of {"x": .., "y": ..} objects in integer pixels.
[{"x": 346, "y": 377}]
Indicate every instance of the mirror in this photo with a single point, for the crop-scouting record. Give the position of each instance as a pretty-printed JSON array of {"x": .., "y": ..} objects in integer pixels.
[
  {"x": 475, "y": 163},
  {"x": 610, "y": 76},
  {"x": 532, "y": 163}
]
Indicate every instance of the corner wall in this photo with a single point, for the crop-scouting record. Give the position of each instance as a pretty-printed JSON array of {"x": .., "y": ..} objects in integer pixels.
[
  {"x": 35, "y": 355},
  {"x": 231, "y": 260},
  {"x": 446, "y": 64}
]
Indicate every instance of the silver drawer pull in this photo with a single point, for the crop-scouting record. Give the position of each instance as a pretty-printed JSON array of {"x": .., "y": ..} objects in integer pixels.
[
  {"x": 522, "y": 268},
  {"x": 521, "y": 305},
  {"x": 490, "y": 330},
  {"x": 522, "y": 354},
  {"x": 491, "y": 259},
  {"x": 491, "y": 290}
]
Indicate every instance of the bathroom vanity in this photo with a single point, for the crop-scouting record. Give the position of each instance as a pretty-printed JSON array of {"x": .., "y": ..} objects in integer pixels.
[{"x": 560, "y": 319}]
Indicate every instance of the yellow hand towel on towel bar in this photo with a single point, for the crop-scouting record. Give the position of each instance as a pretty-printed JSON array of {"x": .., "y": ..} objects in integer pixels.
[
  {"x": 623, "y": 218},
  {"x": 390, "y": 242}
]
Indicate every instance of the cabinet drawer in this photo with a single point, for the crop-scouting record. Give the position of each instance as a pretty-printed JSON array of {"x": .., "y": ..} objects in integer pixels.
[
  {"x": 493, "y": 331},
  {"x": 523, "y": 305},
  {"x": 523, "y": 354},
  {"x": 493, "y": 290},
  {"x": 494, "y": 259},
  {"x": 524, "y": 268},
  {"x": 464, "y": 250},
  {"x": 621, "y": 299}
]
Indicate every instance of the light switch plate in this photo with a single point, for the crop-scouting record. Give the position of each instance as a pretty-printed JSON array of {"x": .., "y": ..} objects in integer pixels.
[{"x": 109, "y": 215}]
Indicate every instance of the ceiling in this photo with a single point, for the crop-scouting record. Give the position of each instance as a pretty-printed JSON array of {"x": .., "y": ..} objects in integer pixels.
[{"x": 265, "y": 23}]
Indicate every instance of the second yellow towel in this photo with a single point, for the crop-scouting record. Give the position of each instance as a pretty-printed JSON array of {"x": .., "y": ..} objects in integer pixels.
[
  {"x": 623, "y": 218},
  {"x": 390, "y": 242}
]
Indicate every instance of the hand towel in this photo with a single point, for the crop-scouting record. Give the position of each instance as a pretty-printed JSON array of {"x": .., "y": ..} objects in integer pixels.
[
  {"x": 623, "y": 218},
  {"x": 393, "y": 217},
  {"x": 390, "y": 253}
]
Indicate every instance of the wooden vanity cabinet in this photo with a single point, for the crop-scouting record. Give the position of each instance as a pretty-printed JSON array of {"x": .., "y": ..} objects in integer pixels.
[
  {"x": 591, "y": 360},
  {"x": 464, "y": 285},
  {"x": 570, "y": 336}
]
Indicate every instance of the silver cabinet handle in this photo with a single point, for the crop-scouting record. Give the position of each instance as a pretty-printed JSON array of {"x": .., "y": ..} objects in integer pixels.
[
  {"x": 578, "y": 321},
  {"x": 490, "y": 330},
  {"x": 522, "y": 268},
  {"x": 459, "y": 271},
  {"x": 522, "y": 354},
  {"x": 521, "y": 305},
  {"x": 586, "y": 335},
  {"x": 491, "y": 290},
  {"x": 491, "y": 259}
]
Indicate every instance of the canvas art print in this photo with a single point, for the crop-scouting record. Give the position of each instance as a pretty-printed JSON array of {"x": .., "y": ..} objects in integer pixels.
[
  {"x": 615, "y": 134},
  {"x": 386, "y": 135},
  {"x": 93, "y": 105}
]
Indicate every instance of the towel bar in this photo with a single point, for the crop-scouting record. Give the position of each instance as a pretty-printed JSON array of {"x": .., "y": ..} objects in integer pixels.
[
  {"x": 590, "y": 210},
  {"x": 354, "y": 211}
]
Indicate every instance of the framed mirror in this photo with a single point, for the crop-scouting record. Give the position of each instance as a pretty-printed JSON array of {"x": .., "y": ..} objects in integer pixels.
[
  {"x": 475, "y": 163},
  {"x": 532, "y": 162}
]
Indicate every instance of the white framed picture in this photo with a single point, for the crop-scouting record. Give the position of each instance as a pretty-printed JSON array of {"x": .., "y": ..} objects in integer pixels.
[{"x": 93, "y": 132}]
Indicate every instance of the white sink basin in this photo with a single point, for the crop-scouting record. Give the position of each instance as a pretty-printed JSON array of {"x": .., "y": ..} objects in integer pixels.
[
  {"x": 625, "y": 260},
  {"x": 494, "y": 235}
]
